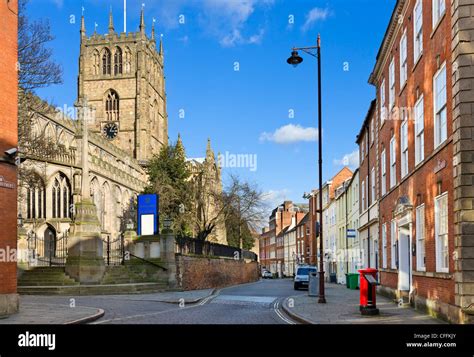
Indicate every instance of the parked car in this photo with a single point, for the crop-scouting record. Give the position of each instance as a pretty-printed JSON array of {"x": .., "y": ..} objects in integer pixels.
[
  {"x": 267, "y": 274},
  {"x": 301, "y": 279}
]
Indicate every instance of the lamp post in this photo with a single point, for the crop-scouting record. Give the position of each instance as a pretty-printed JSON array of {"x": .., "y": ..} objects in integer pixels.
[{"x": 295, "y": 60}]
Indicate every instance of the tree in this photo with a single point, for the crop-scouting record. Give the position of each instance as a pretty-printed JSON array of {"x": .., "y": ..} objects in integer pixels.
[
  {"x": 170, "y": 178},
  {"x": 245, "y": 212},
  {"x": 36, "y": 69}
]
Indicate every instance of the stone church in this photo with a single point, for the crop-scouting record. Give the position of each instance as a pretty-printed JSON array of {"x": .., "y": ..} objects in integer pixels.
[{"x": 121, "y": 76}]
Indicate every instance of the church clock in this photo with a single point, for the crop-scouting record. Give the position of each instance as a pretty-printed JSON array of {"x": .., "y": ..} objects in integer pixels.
[{"x": 110, "y": 130}]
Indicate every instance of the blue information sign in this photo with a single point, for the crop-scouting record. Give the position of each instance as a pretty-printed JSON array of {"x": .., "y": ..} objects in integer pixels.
[
  {"x": 148, "y": 215},
  {"x": 351, "y": 233}
]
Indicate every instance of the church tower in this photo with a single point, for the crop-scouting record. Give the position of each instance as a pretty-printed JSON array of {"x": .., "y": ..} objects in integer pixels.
[{"x": 122, "y": 77}]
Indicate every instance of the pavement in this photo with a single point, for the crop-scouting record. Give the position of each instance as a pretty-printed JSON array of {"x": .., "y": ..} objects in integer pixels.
[
  {"x": 52, "y": 314},
  {"x": 272, "y": 301},
  {"x": 62, "y": 310},
  {"x": 342, "y": 307}
]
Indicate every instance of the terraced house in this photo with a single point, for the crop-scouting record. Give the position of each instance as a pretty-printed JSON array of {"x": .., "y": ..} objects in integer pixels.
[{"x": 424, "y": 81}]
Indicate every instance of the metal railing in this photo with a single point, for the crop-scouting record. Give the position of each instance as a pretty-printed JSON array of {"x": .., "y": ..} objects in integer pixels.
[{"x": 188, "y": 245}]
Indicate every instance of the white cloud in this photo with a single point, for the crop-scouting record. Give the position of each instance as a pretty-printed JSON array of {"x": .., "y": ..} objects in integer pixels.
[
  {"x": 290, "y": 133},
  {"x": 273, "y": 198},
  {"x": 314, "y": 15},
  {"x": 224, "y": 20},
  {"x": 59, "y": 3},
  {"x": 351, "y": 160}
]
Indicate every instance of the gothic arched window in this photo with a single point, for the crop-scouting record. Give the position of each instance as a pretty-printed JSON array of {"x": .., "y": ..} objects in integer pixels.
[
  {"x": 56, "y": 198},
  {"x": 118, "y": 61},
  {"x": 35, "y": 198},
  {"x": 112, "y": 106},
  {"x": 61, "y": 197},
  {"x": 106, "y": 62}
]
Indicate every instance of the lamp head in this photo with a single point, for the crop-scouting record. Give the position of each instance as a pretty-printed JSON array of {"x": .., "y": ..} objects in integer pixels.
[{"x": 295, "y": 59}]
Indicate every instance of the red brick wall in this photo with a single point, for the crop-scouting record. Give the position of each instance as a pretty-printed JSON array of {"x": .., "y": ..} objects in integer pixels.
[
  {"x": 203, "y": 273},
  {"x": 8, "y": 138},
  {"x": 369, "y": 161},
  {"x": 421, "y": 183}
]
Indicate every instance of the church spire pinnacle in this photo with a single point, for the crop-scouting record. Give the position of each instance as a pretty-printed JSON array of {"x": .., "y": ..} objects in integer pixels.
[
  {"x": 153, "y": 30},
  {"x": 83, "y": 27},
  {"x": 111, "y": 21},
  {"x": 209, "y": 152},
  {"x": 142, "y": 20},
  {"x": 161, "y": 46}
]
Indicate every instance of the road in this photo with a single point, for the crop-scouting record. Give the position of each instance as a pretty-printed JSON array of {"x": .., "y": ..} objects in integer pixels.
[{"x": 255, "y": 303}]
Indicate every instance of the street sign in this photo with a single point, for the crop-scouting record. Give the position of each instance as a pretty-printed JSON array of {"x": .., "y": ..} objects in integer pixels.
[
  {"x": 351, "y": 233},
  {"x": 148, "y": 215}
]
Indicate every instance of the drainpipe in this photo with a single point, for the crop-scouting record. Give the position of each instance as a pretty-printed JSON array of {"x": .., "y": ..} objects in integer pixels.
[
  {"x": 347, "y": 240},
  {"x": 369, "y": 199}
]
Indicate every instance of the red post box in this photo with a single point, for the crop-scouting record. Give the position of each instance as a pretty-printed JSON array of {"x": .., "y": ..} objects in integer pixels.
[{"x": 368, "y": 297}]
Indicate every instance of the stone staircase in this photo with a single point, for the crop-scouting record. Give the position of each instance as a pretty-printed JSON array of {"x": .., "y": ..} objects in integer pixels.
[
  {"x": 45, "y": 276},
  {"x": 133, "y": 278}
]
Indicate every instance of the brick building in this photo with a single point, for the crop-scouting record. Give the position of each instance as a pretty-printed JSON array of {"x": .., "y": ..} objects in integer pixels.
[
  {"x": 424, "y": 82},
  {"x": 303, "y": 244},
  {"x": 272, "y": 245},
  {"x": 368, "y": 196},
  {"x": 8, "y": 140}
]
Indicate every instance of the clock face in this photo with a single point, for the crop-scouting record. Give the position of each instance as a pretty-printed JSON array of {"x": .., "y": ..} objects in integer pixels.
[{"x": 110, "y": 130}]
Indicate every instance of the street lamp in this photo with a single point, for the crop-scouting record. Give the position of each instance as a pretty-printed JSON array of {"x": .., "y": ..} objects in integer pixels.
[{"x": 294, "y": 60}]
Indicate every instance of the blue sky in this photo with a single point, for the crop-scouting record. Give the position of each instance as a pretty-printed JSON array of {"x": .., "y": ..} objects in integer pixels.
[{"x": 225, "y": 66}]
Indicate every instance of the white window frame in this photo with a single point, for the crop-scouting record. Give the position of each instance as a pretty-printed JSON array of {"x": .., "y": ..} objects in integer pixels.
[
  {"x": 418, "y": 31},
  {"x": 363, "y": 195},
  {"x": 442, "y": 247},
  {"x": 391, "y": 85},
  {"x": 439, "y": 8},
  {"x": 403, "y": 59},
  {"x": 420, "y": 238},
  {"x": 362, "y": 147},
  {"x": 383, "y": 109},
  {"x": 419, "y": 130},
  {"x": 393, "y": 242},
  {"x": 384, "y": 245},
  {"x": 383, "y": 170},
  {"x": 372, "y": 185},
  {"x": 440, "y": 109},
  {"x": 393, "y": 162},
  {"x": 404, "y": 149}
]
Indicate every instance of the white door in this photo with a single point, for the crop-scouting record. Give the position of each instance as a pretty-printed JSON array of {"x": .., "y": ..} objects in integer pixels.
[{"x": 404, "y": 259}]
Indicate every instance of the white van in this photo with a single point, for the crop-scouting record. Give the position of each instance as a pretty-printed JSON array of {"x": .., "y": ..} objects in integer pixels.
[{"x": 301, "y": 279}]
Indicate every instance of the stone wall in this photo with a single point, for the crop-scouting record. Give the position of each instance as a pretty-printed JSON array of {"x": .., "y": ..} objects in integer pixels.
[
  {"x": 462, "y": 12},
  {"x": 194, "y": 273}
]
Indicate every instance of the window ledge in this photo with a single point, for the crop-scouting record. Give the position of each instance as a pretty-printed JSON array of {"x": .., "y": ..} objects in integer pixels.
[
  {"x": 436, "y": 275},
  {"x": 418, "y": 60},
  {"x": 436, "y": 26},
  {"x": 402, "y": 88}
]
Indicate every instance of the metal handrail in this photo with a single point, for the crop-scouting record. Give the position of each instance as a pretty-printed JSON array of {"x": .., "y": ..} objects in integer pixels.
[{"x": 147, "y": 261}]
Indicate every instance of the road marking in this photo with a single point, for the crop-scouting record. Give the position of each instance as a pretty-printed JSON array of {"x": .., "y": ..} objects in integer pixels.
[
  {"x": 265, "y": 300},
  {"x": 203, "y": 302},
  {"x": 276, "y": 308}
]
